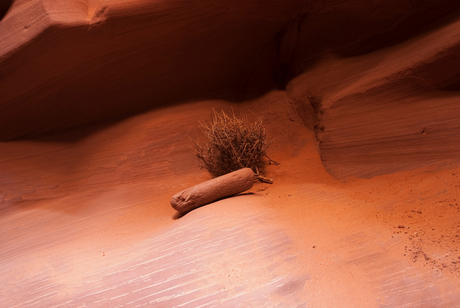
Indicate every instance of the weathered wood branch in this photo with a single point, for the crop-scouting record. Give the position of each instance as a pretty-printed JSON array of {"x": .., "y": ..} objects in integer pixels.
[{"x": 220, "y": 187}]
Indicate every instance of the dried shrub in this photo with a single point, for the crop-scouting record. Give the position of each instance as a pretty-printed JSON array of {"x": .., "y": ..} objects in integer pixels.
[{"x": 233, "y": 143}]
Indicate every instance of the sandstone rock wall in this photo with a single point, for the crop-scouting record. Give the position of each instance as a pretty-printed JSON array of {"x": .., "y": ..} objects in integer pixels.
[
  {"x": 70, "y": 63},
  {"x": 387, "y": 106},
  {"x": 378, "y": 80}
]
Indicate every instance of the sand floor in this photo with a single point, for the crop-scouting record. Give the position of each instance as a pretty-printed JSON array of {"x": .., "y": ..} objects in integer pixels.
[{"x": 85, "y": 221}]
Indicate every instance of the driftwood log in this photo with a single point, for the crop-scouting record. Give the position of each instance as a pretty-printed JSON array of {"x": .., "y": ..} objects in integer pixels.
[{"x": 223, "y": 186}]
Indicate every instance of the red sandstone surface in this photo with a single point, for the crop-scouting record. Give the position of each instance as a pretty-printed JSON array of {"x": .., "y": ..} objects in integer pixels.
[{"x": 99, "y": 99}]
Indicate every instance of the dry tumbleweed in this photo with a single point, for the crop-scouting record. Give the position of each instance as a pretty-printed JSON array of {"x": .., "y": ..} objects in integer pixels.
[{"x": 233, "y": 143}]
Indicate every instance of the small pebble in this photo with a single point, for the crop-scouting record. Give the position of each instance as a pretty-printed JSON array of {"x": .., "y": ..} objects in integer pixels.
[{"x": 401, "y": 227}]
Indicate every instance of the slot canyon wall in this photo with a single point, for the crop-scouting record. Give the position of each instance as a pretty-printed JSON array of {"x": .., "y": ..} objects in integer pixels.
[
  {"x": 378, "y": 81},
  {"x": 100, "y": 103}
]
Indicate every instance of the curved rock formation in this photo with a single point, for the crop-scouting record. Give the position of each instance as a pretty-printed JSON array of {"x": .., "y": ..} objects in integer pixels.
[
  {"x": 378, "y": 80},
  {"x": 391, "y": 109},
  {"x": 363, "y": 88},
  {"x": 69, "y": 63}
]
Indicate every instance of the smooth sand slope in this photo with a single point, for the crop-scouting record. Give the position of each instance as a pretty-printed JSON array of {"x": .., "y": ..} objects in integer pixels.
[{"x": 87, "y": 220}]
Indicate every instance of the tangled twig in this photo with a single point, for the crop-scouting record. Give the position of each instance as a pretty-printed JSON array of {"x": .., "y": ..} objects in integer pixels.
[{"x": 233, "y": 143}]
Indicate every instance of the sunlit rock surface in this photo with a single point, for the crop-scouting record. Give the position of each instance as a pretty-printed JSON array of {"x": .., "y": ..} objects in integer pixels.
[{"x": 99, "y": 107}]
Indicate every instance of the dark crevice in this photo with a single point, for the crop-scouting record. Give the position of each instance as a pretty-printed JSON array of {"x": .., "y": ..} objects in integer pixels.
[
  {"x": 283, "y": 63},
  {"x": 4, "y": 7}
]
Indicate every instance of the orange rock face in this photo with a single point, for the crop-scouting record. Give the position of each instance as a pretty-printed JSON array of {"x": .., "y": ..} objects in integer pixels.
[
  {"x": 390, "y": 109},
  {"x": 100, "y": 103},
  {"x": 378, "y": 80},
  {"x": 76, "y": 62}
]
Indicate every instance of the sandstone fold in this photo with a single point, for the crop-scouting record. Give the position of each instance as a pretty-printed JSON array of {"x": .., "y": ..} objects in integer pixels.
[{"x": 223, "y": 186}]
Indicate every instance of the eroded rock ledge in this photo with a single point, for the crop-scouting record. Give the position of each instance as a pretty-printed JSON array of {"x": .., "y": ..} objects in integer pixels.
[{"x": 378, "y": 81}]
